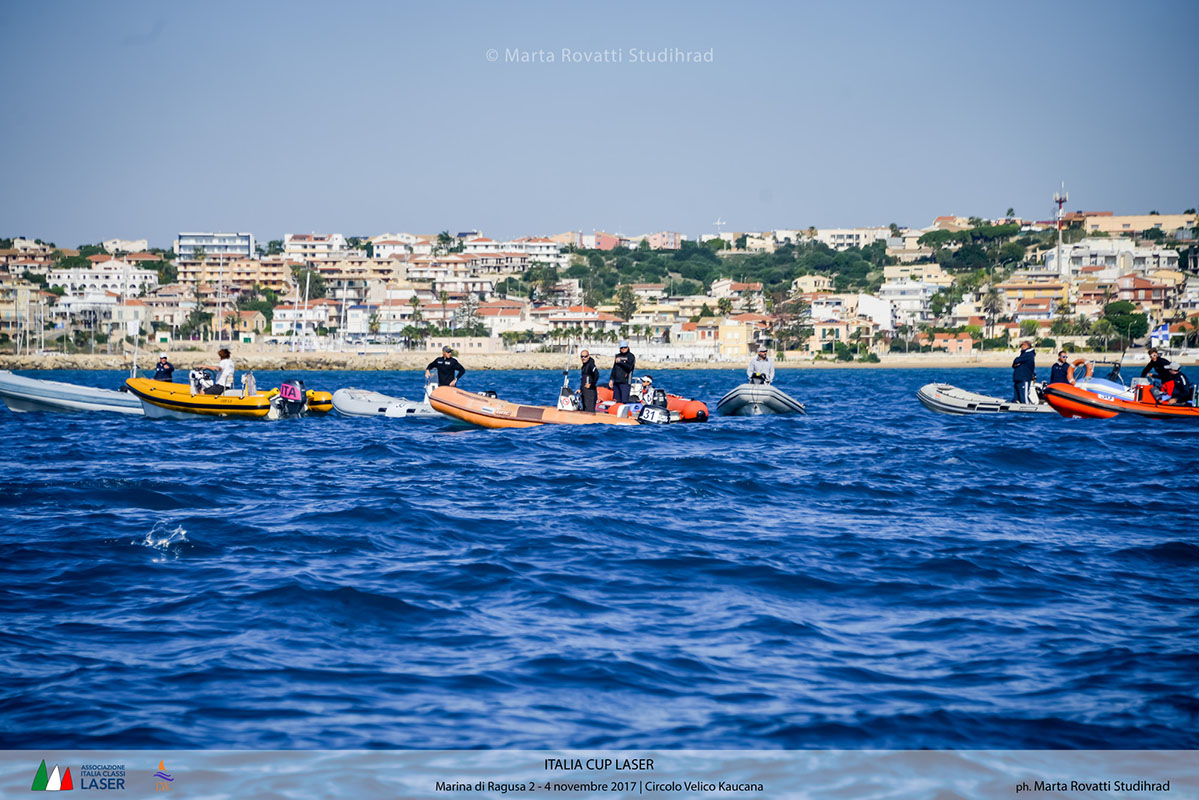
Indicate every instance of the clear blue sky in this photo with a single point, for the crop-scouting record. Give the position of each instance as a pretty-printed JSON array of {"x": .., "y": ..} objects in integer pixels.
[{"x": 142, "y": 119}]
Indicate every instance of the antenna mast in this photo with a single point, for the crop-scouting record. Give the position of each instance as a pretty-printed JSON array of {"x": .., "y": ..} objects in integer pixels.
[{"x": 1060, "y": 198}]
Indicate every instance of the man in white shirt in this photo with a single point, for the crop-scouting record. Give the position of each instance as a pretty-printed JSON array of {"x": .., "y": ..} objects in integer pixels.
[
  {"x": 224, "y": 370},
  {"x": 761, "y": 366}
]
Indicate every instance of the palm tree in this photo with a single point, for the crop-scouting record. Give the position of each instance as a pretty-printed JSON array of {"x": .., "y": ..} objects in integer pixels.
[
  {"x": 444, "y": 242},
  {"x": 1103, "y": 329},
  {"x": 992, "y": 305},
  {"x": 856, "y": 338},
  {"x": 725, "y": 306}
]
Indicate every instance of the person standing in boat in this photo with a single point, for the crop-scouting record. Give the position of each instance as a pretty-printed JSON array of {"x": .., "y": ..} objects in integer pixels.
[
  {"x": 622, "y": 372},
  {"x": 1062, "y": 370},
  {"x": 761, "y": 369},
  {"x": 1024, "y": 372},
  {"x": 588, "y": 380},
  {"x": 1157, "y": 365},
  {"x": 164, "y": 370},
  {"x": 448, "y": 368}
]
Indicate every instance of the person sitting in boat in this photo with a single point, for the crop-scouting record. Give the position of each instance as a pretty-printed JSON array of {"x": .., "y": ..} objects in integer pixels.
[
  {"x": 1062, "y": 370},
  {"x": 1024, "y": 372},
  {"x": 448, "y": 368},
  {"x": 1157, "y": 365},
  {"x": 761, "y": 369},
  {"x": 622, "y": 371},
  {"x": 164, "y": 370},
  {"x": 224, "y": 370},
  {"x": 1177, "y": 388}
]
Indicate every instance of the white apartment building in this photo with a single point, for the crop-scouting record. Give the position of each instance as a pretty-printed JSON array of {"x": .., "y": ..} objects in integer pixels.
[
  {"x": 910, "y": 299},
  {"x": 125, "y": 245},
  {"x": 119, "y": 277},
  {"x": 386, "y": 248},
  {"x": 878, "y": 310},
  {"x": 215, "y": 244},
  {"x": 1122, "y": 254},
  {"x": 300, "y": 319},
  {"x": 845, "y": 238},
  {"x": 313, "y": 246}
]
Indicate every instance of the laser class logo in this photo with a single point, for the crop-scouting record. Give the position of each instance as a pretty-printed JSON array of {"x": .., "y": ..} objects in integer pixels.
[
  {"x": 53, "y": 781},
  {"x": 162, "y": 779}
]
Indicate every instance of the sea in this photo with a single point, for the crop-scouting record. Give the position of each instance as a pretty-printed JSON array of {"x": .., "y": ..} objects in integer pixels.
[{"x": 870, "y": 575}]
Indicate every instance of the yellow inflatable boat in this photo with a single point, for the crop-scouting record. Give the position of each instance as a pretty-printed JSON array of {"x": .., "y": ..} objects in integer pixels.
[
  {"x": 491, "y": 412},
  {"x": 176, "y": 400}
]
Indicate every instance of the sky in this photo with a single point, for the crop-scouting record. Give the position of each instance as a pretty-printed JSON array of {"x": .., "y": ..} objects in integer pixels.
[{"x": 143, "y": 119}]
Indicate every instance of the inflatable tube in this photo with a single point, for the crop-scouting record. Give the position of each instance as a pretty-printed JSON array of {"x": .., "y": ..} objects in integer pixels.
[
  {"x": 1073, "y": 402},
  {"x": 688, "y": 409},
  {"x": 34, "y": 394},
  {"x": 752, "y": 399}
]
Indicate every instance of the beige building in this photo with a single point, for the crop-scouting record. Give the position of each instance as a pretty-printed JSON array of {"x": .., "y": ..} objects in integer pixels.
[
  {"x": 1135, "y": 223},
  {"x": 924, "y": 273},
  {"x": 806, "y": 284}
]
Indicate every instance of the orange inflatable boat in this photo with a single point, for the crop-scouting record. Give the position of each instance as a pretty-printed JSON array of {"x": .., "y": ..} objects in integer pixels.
[
  {"x": 688, "y": 410},
  {"x": 1071, "y": 401},
  {"x": 491, "y": 412}
]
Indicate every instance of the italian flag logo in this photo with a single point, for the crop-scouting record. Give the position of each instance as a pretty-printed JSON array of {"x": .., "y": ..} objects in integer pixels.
[{"x": 52, "y": 782}]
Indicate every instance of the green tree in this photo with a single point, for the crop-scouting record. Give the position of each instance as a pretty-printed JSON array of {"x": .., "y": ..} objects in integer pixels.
[
  {"x": 740, "y": 242},
  {"x": 716, "y": 244},
  {"x": 1011, "y": 212},
  {"x": 274, "y": 247},
  {"x": 1029, "y": 328},
  {"x": 315, "y": 282},
  {"x": 725, "y": 306},
  {"x": 444, "y": 242},
  {"x": 1125, "y": 320},
  {"x": 626, "y": 302}
]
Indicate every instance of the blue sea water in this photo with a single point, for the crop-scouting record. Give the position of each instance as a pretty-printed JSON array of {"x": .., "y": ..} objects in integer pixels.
[{"x": 871, "y": 575}]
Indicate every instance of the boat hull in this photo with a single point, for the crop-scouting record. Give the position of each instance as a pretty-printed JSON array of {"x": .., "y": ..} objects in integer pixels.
[
  {"x": 23, "y": 394},
  {"x": 1073, "y": 402},
  {"x": 364, "y": 403},
  {"x": 756, "y": 399},
  {"x": 491, "y": 412},
  {"x": 175, "y": 401}
]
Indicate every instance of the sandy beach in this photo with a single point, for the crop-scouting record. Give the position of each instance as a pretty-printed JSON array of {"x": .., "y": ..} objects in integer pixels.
[{"x": 353, "y": 360}]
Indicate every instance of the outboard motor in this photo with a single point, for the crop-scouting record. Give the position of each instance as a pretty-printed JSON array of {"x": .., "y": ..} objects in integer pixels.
[
  {"x": 292, "y": 400},
  {"x": 654, "y": 415},
  {"x": 657, "y": 398},
  {"x": 199, "y": 380}
]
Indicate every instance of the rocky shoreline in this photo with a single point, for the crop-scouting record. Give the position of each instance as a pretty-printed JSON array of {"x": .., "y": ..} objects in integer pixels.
[{"x": 322, "y": 361}]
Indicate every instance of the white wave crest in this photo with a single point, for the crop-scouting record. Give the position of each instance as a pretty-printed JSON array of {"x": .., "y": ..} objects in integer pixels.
[{"x": 162, "y": 536}]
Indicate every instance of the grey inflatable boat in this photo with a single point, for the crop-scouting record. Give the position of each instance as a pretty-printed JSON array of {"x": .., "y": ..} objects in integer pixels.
[
  {"x": 948, "y": 399},
  {"x": 752, "y": 399},
  {"x": 34, "y": 394},
  {"x": 365, "y": 403}
]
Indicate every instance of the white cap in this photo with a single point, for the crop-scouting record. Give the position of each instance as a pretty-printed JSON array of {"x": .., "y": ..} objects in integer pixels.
[{"x": 162, "y": 355}]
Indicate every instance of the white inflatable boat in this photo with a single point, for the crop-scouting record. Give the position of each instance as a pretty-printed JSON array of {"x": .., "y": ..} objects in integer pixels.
[
  {"x": 752, "y": 399},
  {"x": 365, "y": 403},
  {"x": 33, "y": 394}
]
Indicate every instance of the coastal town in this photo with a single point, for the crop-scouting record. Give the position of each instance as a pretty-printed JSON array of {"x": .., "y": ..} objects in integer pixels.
[{"x": 958, "y": 286}]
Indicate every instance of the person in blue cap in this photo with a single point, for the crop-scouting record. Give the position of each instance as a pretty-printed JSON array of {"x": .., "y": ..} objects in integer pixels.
[{"x": 622, "y": 372}]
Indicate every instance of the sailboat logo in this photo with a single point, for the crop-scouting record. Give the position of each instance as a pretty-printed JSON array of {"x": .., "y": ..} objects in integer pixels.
[
  {"x": 162, "y": 774},
  {"x": 54, "y": 781}
]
